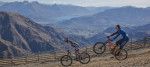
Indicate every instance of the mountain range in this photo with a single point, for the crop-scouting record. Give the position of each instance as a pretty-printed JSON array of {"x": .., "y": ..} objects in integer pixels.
[
  {"x": 90, "y": 25},
  {"x": 1, "y": 3},
  {"x": 134, "y": 32},
  {"x": 19, "y": 35},
  {"x": 148, "y": 7},
  {"x": 48, "y": 13}
]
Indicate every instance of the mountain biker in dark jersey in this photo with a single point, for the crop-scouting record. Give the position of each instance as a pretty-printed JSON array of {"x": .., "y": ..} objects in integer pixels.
[{"x": 124, "y": 38}]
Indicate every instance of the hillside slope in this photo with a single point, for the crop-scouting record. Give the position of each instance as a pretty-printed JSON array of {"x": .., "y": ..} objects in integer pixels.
[
  {"x": 136, "y": 58},
  {"x": 19, "y": 35}
]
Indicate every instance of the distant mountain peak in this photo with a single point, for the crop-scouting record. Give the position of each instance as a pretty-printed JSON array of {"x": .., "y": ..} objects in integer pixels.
[
  {"x": 129, "y": 7},
  {"x": 35, "y": 2},
  {"x": 25, "y": 1}
]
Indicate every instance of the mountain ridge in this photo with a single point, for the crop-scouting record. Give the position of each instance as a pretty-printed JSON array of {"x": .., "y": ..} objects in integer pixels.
[
  {"x": 134, "y": 32},
  {"x": 125, "y": 16},
  {"x": 19, "y": 35},
  {"x": 48, "y": 12}
]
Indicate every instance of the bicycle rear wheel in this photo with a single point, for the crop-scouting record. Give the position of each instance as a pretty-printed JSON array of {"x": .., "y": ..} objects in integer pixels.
[
  {"x": 66, "y": 60},
  {"x": 99, "y": 48},
  {"x": 84, "y": 58},
  {"x": 121, "y": 55}
]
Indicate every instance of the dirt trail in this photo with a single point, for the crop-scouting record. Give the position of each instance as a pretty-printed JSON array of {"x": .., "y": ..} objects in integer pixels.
[{"x": 136, "y": 58}]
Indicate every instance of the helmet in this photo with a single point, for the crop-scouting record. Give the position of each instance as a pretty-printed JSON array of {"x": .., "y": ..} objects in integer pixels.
[{"x": 118, "y": 26}]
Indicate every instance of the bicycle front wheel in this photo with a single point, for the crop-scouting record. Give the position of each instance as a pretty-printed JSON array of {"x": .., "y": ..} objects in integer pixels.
[
  {"x": 66, "y": 60},
  {"x": 121, "y": 54},
  {"x": 84, "y": 58},
  {"x": 99, "y": 48}
]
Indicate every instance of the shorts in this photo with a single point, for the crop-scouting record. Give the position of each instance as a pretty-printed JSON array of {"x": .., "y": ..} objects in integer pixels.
[{"x": 77, "y": 48}]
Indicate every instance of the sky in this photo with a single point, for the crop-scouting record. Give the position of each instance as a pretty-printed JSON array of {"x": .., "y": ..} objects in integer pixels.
[{"x": 112, "y": 3}]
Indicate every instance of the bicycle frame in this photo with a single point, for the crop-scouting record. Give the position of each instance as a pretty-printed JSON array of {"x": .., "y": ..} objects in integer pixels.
[
  {"x": 111, "y": 45},
  {"x": 100, "y": 48},
  {"x": 76, "y": 55}
]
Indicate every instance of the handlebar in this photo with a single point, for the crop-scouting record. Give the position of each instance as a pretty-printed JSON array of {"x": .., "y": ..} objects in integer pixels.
[{"x": 109, "y": 38}]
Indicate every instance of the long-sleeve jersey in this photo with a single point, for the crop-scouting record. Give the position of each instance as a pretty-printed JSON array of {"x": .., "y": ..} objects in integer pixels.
[
  {"x": 118, "y": 33},
  {"x": 75, "y": 45}
]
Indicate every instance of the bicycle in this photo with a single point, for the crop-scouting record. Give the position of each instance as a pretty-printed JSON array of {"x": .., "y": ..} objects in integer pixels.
[
  {"x": 66, "y": 60},
  {"x": 100, "y": 47}
]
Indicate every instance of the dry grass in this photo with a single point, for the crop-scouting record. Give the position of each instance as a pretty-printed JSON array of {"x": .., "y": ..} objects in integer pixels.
[{"x": 137, "y": 58}]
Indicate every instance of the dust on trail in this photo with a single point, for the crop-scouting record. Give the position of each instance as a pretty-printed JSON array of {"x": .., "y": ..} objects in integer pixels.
[{"x": 136, "y": 58}]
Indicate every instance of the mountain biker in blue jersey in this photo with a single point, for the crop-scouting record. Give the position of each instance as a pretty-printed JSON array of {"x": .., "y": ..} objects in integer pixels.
[
  {"x": 124, "y": 38},
  {"x": 73, "y": 44}
]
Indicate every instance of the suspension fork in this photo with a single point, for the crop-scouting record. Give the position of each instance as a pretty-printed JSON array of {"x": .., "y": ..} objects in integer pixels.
[{"x": 69, "y": 54}]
